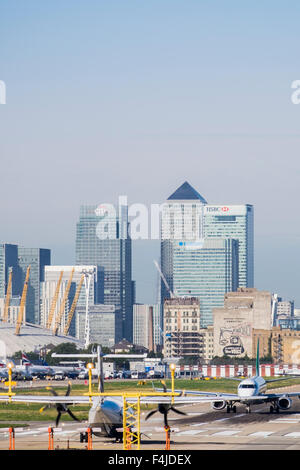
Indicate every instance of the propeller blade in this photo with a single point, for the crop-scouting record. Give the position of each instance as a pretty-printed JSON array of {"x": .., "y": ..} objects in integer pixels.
[
  {"x": 52, "y": 391},
  {"x": 164, "y": 385},
  {"x": 72, "y": 415},
  {"x": 57, "y": 419},
  {"x": 166, "y": 418},
  {"x": 68, "y": 389},
  {"x": 150, "y": 414},
  {"x": 177, "y": 411}
]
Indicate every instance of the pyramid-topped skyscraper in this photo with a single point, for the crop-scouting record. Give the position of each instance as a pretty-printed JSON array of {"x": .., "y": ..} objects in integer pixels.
[{"x": 186, "y": 192}]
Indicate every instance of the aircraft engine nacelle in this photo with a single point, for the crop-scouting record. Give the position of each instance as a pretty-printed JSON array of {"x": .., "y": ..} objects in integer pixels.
[
  {"x": 218, "y": 405},
  {"x": 284, "y": 403}
]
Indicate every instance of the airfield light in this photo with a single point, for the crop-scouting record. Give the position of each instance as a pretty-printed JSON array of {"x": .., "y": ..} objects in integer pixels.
[
  {"x": 89, "y": 367},
  {"x": 9, "y": 366},
  {"x": 172, "y": 369}
]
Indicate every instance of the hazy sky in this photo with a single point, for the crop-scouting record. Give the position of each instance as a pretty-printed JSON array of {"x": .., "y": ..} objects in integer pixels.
[{"x": 135, "y": 97}]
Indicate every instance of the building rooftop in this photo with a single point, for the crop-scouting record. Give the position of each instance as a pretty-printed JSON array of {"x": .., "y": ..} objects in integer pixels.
[
  {"x": 31, "y": 338},
  {"x": 186, "y": 192}
]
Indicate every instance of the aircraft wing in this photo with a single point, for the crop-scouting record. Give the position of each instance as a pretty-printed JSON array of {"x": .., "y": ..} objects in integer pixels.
[
  {"x": 80, "y": 399},
  {"x": 197, "y": 393},
  {"x": 71, "y": 399},
  {"x": 209, "y": 398}
]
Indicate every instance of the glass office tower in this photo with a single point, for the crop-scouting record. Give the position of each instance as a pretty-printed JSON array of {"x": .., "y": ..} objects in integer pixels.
[
  {"x": 37, "y": 258},
  {"x": 102, "y": 240},
  {"x": 234, "y": 221},
  {"x": 181, "y": 219},
  {"x": 206, "y": 269},
  {"x": 9, "y": 261}
]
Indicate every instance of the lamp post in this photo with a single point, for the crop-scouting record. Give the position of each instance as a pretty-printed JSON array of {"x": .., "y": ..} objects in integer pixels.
[{"x": 172, "y": 369}]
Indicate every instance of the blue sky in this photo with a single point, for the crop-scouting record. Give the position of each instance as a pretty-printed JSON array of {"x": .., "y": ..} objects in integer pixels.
[{"x": 128, "y": 97}]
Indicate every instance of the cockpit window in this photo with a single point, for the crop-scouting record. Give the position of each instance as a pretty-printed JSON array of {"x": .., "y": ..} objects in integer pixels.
[{"x": 247, "y": 386}]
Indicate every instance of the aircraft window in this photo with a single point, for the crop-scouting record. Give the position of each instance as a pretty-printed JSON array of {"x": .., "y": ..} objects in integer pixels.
[{"x": 247, "y": 386}]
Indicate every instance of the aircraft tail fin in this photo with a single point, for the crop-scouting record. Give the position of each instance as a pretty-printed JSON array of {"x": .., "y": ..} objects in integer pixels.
[{"x": 257, "y": 359}]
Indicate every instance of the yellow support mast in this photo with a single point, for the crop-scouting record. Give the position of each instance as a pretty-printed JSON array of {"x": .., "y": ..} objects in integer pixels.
[
  {"x": 7, "y": 298},
  {"x": 62, "y": 305},
  {"x": 71, "y": 312},
  {"x": 22, "y": 303},
  {"x": 131, "y": 424},
  {"x": 54, "y": 301}
]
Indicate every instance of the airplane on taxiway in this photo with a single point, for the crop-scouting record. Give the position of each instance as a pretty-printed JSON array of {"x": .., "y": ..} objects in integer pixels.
[
  {"x": 250, "y": 391},
  {"x": 105, "y": 416}
]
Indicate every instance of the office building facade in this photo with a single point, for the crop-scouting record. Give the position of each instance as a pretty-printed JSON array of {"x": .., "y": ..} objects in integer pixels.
[
  {"x": 37, "y": 258},
  {"x": 48, "y": 289},
  {"x": 102, "y": 240},
  {"x": 9, "y": 262},
  {"x": 105, "y": 324},
  {"x": 206, "y": 269},
  {"x": 181, "y": 220},
  {"x": 234, "y": 221},
  {"x": 186, "y": 216},
  {"x": 182, "y": 337},
  {"x": 143, "y": 326}
]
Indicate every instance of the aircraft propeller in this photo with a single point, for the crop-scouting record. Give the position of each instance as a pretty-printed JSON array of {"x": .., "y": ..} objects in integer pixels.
[
  {"x": 60, "y": 407},
  {"x": 164, "y": 409}
]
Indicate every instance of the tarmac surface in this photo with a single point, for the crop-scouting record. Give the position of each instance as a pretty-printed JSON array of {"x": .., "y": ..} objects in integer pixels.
[{"x": 201, "y": 429}]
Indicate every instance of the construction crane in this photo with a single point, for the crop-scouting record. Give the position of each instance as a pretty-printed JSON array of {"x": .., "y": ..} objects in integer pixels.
[
  {"x": 72, "y": 309},
  {"x": 164, "y": 279},
  {"x": 62, "y": 305},
  {"x": 7, "y": 298},
  {"x": 54, "y": 301},
  {"x": 22, "y": 303}
]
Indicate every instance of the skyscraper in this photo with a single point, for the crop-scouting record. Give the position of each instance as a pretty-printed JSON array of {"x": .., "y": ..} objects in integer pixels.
[
  {"x": 206, "y": 269},
  {"x": 190, "y": 263},
  {"x": 102, "y": 240},
  {"x": 9, "y": 261},
  {"x": 37, "y": 258},
  {"x": 234, "y": 221},
  {"x": 181, "y": 219}
]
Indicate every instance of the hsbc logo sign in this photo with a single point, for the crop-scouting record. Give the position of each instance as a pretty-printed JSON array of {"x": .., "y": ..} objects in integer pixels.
[{"x": 222, "y": 210}]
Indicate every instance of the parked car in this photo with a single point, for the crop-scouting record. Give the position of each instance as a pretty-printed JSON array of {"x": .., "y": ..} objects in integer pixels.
[
  {"x": 126, "y": 374},
  {"x": 59, "y": 376},
  {"x": 72, "y": 374},
  {"x": 83, "y": 375},
  {"x": 135, "y": 374}
]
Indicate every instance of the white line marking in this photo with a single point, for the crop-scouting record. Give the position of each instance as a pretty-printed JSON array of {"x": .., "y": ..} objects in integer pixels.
[
  {"x": 261, "y": 434},
  {"x": 284, "y": 420},
  {"x": 292, "y": 434},
  {"x": 190, "y": 432},
  {"x": 226, "y": 433}
]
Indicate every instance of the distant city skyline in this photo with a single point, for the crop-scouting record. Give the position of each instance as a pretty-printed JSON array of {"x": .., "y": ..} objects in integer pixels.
[{"x": 111, "y": 98}]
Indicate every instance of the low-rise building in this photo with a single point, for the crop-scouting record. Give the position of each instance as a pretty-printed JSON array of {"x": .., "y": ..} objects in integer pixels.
[
  {"x": 285, "y": 346},
  {"x": 244, "y": 312},
  {"x": 182, "y": 332}
]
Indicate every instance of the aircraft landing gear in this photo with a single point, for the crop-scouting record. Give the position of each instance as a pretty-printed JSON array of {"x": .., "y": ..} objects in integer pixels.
[
  {"x": 274, "y": 408},
  {"x": 83, "y": 437},
  {"x": 231, "y": 408},
  {"x": 119, "y": 437}
]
